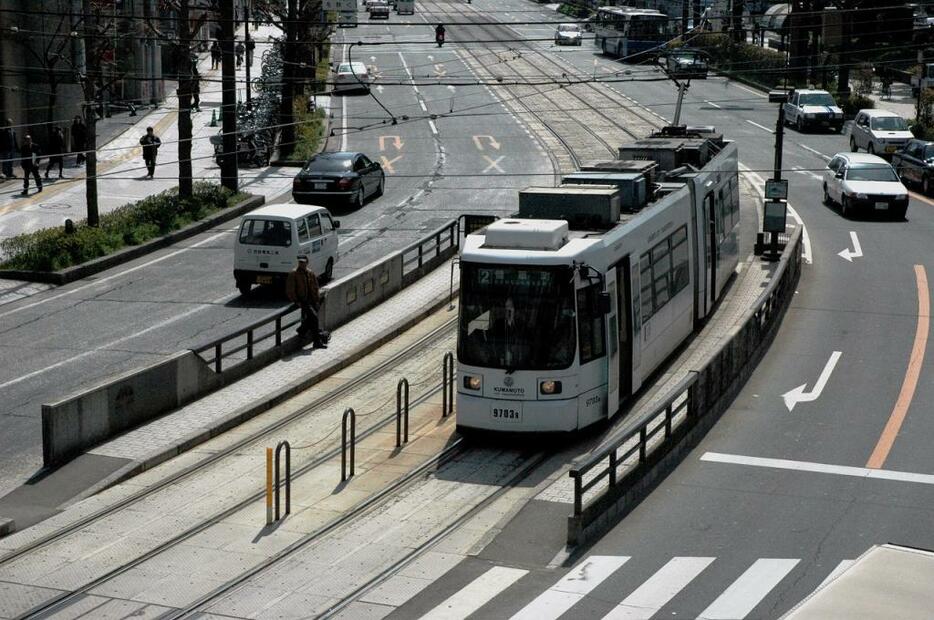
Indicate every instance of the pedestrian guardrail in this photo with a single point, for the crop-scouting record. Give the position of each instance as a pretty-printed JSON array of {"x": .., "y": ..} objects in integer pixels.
[
  {"x": 609, "y": 482},
  {"x": 418, "y": 254},
  {"x": 248, "y": 340}
]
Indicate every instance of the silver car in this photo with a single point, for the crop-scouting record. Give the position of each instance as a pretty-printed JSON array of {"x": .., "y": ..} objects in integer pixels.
[
  {"x": 568, "y": 34},
  {"x": 352, "y": 76}
]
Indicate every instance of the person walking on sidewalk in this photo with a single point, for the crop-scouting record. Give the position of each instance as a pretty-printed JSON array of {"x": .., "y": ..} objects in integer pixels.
[
  {"x": 29, "y": 153},
  {"x": 301, "y": 287},
  {"x": 239, "y": 51},
  {"x": 56, "y": 152},
  {"x": 8, "y": 148},
  {"x": 151, "y": 143},
  {"x": 215, "y": 55},
  {"x": 79, "y": 139}
]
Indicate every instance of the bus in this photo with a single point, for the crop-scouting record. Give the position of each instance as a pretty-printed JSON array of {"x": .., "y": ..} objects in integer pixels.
[
  {"x": 562, "y": 319},
  {"x": 626, "y": 32}
]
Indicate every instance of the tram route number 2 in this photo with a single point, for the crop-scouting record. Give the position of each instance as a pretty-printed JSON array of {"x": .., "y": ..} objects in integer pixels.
[{"x": 506, "y": 413}]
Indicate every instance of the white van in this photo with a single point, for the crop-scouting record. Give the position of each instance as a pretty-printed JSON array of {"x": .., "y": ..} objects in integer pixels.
[
  {"x": 405, "y": 7},
  {"x": 271, "y": 238}
]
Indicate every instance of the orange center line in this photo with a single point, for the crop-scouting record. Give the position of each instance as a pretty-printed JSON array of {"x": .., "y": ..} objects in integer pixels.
[
  {"x": 921, "y": 197},
  {"x": 890, "y": 432}
]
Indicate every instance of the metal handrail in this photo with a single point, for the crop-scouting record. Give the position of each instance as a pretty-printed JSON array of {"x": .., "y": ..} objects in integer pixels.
[
  {"x": 641, "y": 431},
  {"x": 402, "y": 411},
  {"x": 434, "y": 241},
  {"x": 352, "y": 416},
  {"x": 288, "y": 477}
]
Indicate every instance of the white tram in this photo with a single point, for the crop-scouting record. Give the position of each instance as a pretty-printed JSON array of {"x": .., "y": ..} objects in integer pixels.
[{"x": 561, "y": 323}]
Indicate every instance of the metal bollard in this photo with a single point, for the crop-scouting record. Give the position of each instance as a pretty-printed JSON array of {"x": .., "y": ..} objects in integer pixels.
[
  {"x": 447, "y": 384},
  {"x": 403, "y": 382},
  {"x": 268, "y": 486},
  {"x": 349, "y": 412},
  {"x": 288, "y": 477}
]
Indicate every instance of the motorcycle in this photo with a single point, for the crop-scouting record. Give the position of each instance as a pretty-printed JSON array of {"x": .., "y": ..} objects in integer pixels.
[
  {"x": 251, "y": 150},
  {"x": 439, "y": 39}
]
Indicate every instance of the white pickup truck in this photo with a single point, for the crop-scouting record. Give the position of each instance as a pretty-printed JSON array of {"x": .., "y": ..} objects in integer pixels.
[{"x": 809, "y": 108}]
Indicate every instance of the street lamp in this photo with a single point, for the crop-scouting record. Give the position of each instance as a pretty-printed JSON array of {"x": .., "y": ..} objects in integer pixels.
[{"x": 775, "y": 209}]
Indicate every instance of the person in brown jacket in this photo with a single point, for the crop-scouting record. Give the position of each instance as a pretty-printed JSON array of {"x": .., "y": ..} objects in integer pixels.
[{"x": 301, "y": 287}]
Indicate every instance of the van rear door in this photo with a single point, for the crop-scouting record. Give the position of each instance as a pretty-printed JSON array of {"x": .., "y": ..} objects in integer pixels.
[{"x": 265, "y": 245}]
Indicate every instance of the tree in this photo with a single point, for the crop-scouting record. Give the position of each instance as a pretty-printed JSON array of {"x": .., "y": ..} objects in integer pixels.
[
  {"x": 186, "y": 75},
  {"x": 301, "y": 23}
]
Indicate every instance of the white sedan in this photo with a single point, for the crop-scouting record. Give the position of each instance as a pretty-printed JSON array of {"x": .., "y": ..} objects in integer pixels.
[
  {"x": 865, "y": 183},
  {"x": 568, "y": 34},
  {"x": 352, "y": 76}
]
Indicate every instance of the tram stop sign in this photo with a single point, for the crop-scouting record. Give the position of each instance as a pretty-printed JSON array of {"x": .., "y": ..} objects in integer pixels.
[{"x": 775, "y": 214}]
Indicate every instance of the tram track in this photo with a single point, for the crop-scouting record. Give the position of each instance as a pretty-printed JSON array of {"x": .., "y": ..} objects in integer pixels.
[{"x": 56, "y": 603}]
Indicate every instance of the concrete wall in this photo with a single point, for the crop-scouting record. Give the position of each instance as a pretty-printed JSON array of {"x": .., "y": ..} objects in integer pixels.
[{"x": 93, "y": 415}]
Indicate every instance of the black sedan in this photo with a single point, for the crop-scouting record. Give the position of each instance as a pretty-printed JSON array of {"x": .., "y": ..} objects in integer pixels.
[
  {"x": 351, "y": 177},
  {"x": 915, "y": 164}
]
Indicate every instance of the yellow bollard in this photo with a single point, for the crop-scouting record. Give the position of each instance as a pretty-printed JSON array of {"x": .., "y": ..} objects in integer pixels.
[{"x": 268, "y": 486}]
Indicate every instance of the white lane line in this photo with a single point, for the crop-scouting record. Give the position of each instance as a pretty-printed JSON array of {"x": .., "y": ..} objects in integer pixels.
[
  {"x": 749, "y": 90},
  {"x": 434, "y": 129},
  {"x": 423, "y": 106},
  {"x": 760, "y": 126},
  {"x": 805, "y": 237},
  {"x": 660, "y": 588},
  {"x": 571, "y": 588},
  {"x": 713, "y": 104},
  {"x": 749, "y": 589},
  {"x": 842, "y": 566},
  {"x": 476, "y": 594},
  {"x": 117, "y": 275},
  {"x": 344, "y": 108},
  {"x": 819, "y": 468},
  {"x": 112, "y": 343},
  {"x": 815, "y": 151},
  {"x": 807, "y": 173}
]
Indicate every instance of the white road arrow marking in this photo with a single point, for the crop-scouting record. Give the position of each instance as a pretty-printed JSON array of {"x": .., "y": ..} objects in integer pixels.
[
  {"x": 379, "y": 89},
  {"x": 856, "y": 252},
  {"x": 798, "y": 395}
]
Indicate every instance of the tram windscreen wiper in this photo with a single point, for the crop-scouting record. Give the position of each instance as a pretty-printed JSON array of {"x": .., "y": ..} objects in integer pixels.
[{"x": 509, "y": 371}]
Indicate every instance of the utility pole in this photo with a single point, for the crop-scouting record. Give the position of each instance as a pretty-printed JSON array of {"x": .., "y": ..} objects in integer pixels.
[
  {"x": 249, "y": 52},
  {"x": 685, "y": 10},
  {"x": 228, "y": 98},
  {"x": 91, "y": 66}
]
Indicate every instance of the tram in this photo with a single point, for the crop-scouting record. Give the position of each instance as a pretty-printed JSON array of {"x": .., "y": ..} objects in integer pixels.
[{"x": 562, "y": 319}]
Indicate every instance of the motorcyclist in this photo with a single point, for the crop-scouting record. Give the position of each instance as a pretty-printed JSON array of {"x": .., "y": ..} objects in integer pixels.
[{"x": 439, "y": 34}]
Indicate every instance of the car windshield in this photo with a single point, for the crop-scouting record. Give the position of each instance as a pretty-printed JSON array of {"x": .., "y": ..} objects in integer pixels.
[
  {"x": 351, "y": 68},
  {"x": 816, "y": 99},
  {"x": 889, "y": 123},
  {"x": 871, "y": 172},
  {"x": 507, "y": 311},
  {"x": 256, "y": 231},
  {"x": 568, "y": 28},
  {"x": 329, "y": 164}
]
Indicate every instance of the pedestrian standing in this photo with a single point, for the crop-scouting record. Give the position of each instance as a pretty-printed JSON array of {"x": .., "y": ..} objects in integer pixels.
[
  {"x": 8, "y": 148},
  {"x": 239, "y": 51},
  {"x": 29, "y": 154},
  {"x": 151, "y": 143},
  {"x": 301, "y": 287},
  {"x": 215, "y": 55},
  {"x": 79, "y": 139},
  {"x": 56, "y": 151}
]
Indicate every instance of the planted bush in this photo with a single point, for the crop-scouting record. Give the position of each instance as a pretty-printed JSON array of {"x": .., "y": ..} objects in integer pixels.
[{"x": 51, "y": 249}]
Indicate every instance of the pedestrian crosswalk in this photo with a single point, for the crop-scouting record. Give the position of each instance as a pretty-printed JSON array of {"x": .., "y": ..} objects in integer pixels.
[{"x": 735, "y": 601}]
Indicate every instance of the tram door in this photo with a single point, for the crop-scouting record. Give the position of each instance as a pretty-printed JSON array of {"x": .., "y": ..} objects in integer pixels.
[
  {"x": 711, "y": 212},
  {"x": 621, "y": 334}
]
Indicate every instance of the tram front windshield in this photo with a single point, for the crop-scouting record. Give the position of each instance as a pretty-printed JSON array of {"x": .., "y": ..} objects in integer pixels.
[{"x": 517, "y": 318}]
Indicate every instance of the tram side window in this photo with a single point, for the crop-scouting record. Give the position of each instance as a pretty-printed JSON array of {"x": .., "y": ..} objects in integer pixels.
[
  {"x": 590, "y": 324},
  {"x": 679, "y": 258},
  {"x": 734, "y": 202},
  {"x": 646, "y": 279},
  {"x": 661, "y": 272}
]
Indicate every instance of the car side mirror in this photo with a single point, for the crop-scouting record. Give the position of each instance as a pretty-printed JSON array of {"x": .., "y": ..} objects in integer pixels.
[
  {"x": 337, "y": 224},
  {"x": 838, "y": 175}
]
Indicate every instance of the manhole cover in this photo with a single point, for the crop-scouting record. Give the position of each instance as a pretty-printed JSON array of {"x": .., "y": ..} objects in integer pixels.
[{"x": 54, "y": 206}]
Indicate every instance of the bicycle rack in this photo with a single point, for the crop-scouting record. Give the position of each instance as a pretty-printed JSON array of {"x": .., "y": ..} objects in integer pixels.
[
  {"x": 447, "y": 384},
  {"x": 403, "y": 383},
  {"x": 348, "y": 413},
  {"x": 288, "y": 477}
]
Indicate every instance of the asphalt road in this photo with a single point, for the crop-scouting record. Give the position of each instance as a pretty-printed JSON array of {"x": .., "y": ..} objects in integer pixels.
[
  {"x": 775, "y": 498},
  {"x": 58, "y": 341}
]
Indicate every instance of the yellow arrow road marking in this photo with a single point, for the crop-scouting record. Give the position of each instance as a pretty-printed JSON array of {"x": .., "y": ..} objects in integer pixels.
[
  {"x": 396, "y": 142},
  {"x": 387, "y": 163},
  {"x": 478, "y": 142}
]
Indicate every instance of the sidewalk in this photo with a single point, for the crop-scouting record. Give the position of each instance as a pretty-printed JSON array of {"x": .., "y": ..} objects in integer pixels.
[
  {"x": 901, "y": 102},
  {"x": 120, "y": 165}
]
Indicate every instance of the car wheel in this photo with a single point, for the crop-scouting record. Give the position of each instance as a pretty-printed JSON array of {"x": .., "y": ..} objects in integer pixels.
[
  {"x": 244, "y": 287},
  {"x": 799, "y": 124},
  {"x": 381, "y": 187},
  {"x": 603, "y": 48},
  {"x": 870, "y": 149},
  {"x": 926, "y": 186},
  {"x": 328, "y": 274},
  {"x": 853, "y": 147},
  {"x": 845, "y": 206},
  {"x": 357, "y": 201},
  {"x": 827, "y": 199}
]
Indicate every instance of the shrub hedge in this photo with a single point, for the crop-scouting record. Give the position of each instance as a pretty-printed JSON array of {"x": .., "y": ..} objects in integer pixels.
[
  {"x": 51, "y": 249},
  {"x": 751, "y": 62}
]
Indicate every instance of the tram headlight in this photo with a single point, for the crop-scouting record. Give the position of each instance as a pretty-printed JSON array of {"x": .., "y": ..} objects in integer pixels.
[
  {"x": 550, "y": 387},
  {"x": 472, "y": 383}
]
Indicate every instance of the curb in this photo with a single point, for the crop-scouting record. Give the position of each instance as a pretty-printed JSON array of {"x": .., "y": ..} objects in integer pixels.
[
  {"x": 7, "y": 527},
  {"x": 125, "y": 255},
  {"x": 254, "y": 409}
]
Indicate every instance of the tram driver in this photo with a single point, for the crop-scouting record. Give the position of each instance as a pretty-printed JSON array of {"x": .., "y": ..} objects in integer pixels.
[{"x": 509, "y": 334}]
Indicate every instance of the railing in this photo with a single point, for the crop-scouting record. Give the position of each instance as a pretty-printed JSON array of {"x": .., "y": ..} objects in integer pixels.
[
  {"x": 418, "y": 254},
  {"x": 635, "y": 449},
  {"x": 609, "y": 482},
  {"x": 250, "y": 338}
]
